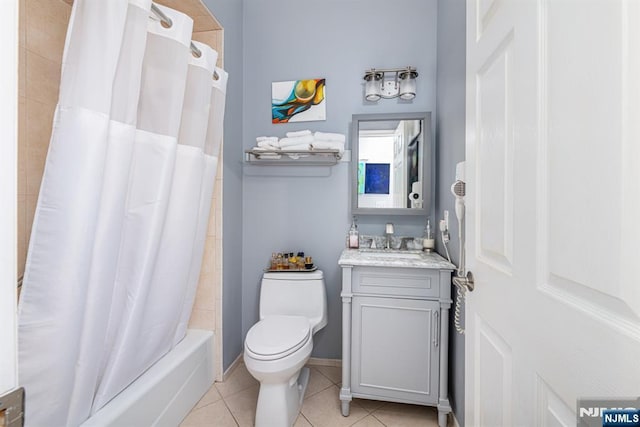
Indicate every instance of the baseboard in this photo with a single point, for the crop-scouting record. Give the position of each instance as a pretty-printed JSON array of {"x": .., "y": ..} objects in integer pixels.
[
  {"x": 232, "y": 367},
  {"x": 316, "y": 361}
]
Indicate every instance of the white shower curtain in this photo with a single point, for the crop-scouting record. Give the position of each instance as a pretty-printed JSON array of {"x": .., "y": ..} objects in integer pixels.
[{"x": 118, "y": 234}]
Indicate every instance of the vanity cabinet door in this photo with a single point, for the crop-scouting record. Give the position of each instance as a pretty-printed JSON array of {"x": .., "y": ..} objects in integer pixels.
[{"x": 395, "y": 348}]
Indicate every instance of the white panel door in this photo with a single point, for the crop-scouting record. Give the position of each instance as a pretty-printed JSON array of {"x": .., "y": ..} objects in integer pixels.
[
  {"x": 553, "y": 207},
  {"x": 8, "y": 192}
]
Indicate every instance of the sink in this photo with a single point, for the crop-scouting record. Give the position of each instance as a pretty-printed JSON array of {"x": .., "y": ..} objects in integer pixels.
[{"x": 391, "y": 254}]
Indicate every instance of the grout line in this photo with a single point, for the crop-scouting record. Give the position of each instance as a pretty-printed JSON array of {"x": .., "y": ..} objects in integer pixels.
[
  {"x": 330, "y": 380},
  {"x": 208, "y": 404},
  {"x": 308, "y": 396},
  {"x": 194, "y": 409},
  {"x": 306, "y": 419},
  {"x": 253, "y": 384},
  {"x": 372, "y": 414},
  {"x": 327, "y": 377},
  {"x": 237, "y": 391},
  {"x": 230, "y": 412}
]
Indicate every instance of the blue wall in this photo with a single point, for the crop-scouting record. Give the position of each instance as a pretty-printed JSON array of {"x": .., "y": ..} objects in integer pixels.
[
  {"x": 336, "y": 40},
  {"x": 450, "y": 129}
]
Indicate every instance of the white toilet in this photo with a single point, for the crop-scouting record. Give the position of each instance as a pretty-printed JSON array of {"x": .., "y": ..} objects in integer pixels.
[{"x": 293, "y": 307}]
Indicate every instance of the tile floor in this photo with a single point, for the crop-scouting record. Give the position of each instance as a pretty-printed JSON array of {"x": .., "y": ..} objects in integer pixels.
[{"x": 233, "y": 403}]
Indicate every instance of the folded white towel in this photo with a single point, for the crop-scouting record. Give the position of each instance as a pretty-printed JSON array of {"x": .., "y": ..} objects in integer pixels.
[
  {"x": 326, "y": 136},
  {"x": 286, "y": 142},
  {"x": 298, "y": 133},
  {"x": 297, "y": 156},
  {"x": 267, "y": 139},
  {"x": 270, "y": 145},
  {"x": 298, "y": 147},
  {"x": 328, "y": 145},
  {"x": 267, "y": 154}
]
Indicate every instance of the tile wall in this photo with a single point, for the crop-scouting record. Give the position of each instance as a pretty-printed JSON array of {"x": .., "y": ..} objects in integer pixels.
[{"x": 43, "y": 26}]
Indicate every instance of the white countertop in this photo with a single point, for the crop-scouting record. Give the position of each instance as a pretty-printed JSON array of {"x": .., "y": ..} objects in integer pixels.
[{"x": 393, "y": 258}]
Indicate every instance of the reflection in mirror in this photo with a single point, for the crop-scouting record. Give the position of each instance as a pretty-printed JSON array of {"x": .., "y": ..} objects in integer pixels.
[{"x": 393, "y": 173}]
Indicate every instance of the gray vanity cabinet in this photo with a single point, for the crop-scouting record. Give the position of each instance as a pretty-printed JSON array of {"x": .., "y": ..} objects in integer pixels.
[
  {"x": 396, "y": 355},
  {"x": 395, "y": 331}
]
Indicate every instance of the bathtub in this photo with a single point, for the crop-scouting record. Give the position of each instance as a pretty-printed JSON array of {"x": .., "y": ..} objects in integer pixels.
[{"x": 167, "y": 391}]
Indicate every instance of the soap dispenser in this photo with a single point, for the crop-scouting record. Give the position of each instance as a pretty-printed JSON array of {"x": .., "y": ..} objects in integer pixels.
[
  {"x": 353, "y": 235},
  {"x": 428, "y": 243}
]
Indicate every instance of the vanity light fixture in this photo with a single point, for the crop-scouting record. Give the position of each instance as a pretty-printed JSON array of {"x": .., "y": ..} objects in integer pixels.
[{"x": 403, "y": 85}]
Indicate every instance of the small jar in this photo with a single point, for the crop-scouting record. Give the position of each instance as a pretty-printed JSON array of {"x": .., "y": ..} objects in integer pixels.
[{"x": 308, "y": 263}]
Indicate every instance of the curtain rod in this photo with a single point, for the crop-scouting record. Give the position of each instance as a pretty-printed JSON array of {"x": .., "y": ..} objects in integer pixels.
[{"x": 167, "y": 23}]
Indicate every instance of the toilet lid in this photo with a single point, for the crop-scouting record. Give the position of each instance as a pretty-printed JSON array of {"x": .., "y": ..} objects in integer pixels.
[{"x": 275, "y": 337}]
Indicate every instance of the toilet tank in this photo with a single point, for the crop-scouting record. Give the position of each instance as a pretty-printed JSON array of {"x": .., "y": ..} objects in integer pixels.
[{"x": 295, "y": 294}]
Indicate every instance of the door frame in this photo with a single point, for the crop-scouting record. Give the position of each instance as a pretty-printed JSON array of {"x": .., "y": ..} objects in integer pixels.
[{"x": 9, "y": 20}]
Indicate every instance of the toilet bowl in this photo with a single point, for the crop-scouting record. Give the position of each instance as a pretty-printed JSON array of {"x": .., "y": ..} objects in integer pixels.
[{"x": 292, "y": 309}]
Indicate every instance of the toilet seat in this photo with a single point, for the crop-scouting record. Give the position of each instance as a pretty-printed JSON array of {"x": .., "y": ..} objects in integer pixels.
[{"x": 275, "y": 337}]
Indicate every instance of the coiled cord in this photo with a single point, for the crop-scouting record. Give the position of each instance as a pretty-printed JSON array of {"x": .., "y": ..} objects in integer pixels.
[
  {"x": 460, "y": 290},
  {"x": 460, "y": 295}
]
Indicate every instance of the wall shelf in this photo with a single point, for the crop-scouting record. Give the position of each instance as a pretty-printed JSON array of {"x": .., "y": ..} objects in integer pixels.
[{"x": 317, "y": 157}]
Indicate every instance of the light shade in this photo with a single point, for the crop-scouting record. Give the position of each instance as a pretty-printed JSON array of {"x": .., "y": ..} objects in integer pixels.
[
  {"x": 372, "y": 86},
  {"x": 407, "y": 85}
]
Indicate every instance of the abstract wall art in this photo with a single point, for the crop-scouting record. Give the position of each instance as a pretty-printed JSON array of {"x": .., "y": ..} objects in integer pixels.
[{"x": 298, "y": 101}]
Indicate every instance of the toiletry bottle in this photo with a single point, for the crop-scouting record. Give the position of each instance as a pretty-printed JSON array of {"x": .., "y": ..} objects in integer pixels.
[
  {"x": 300, "y": 258},
  {"x": 353, "y": 235},
  {"x": 428, "y": 243}
]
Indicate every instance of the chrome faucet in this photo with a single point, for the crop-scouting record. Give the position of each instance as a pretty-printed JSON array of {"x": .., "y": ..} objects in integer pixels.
[{"x": 388, "y": 231}]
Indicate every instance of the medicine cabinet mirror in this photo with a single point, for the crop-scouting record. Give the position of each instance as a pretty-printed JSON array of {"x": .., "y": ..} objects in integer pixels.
[{"x": 393, "y": 165}]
